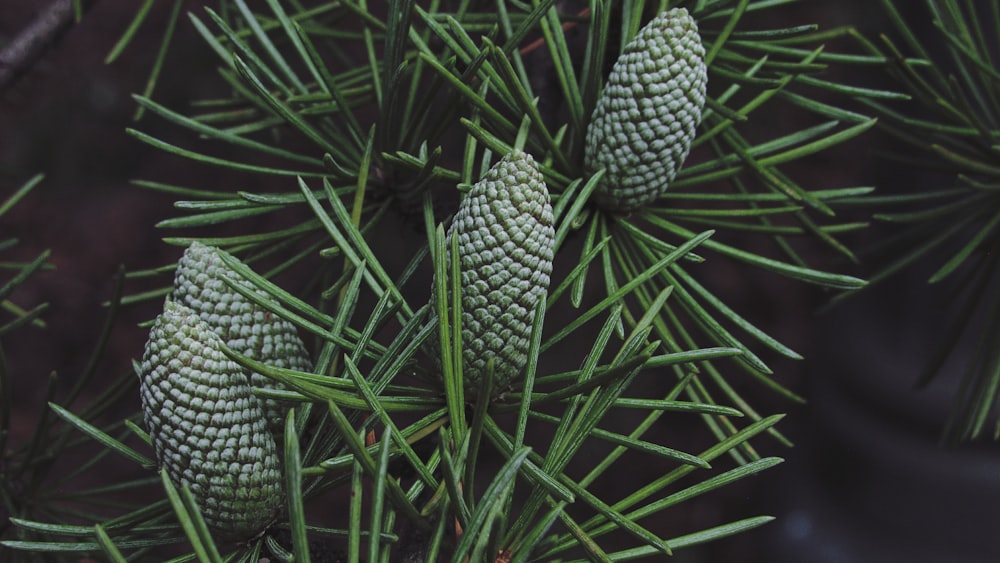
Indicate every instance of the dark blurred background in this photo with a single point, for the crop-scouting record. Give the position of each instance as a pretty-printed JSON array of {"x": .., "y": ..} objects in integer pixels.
[{"x": 867, "y": 482}]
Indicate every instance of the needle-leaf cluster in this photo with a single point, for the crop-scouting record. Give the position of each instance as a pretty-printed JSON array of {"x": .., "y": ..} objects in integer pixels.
[
  {"x": 365, "y": 116},
  {"x": 949, "y": 130}
]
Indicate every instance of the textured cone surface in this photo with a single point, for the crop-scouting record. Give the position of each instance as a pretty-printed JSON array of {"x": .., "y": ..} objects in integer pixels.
[
  {"x": 245, "y": 327},
  {"x": 207, "y": 427},
  {"x": 505, "y": 241},
  {"x": 644, "y": 122}
]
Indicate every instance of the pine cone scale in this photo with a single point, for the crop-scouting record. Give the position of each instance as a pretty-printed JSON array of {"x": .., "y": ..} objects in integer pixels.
[
  {"x": 244, "y": 326},
  {"x": 208, "y": 429},
  {"x": 644, "y": 122},
  {"x": 505, "y": 235}
]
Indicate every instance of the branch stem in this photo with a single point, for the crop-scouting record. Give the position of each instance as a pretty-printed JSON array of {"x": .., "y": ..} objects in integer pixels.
[{"x": 24, "y": 49}]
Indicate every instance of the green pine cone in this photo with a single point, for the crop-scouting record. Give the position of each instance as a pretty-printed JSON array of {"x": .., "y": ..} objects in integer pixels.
[
  {"x": 644, "y": 122},
  {"x": 505, "y": 240},
  {"x": 245, "y": 327},
  {"x": 207, "y": 427}
]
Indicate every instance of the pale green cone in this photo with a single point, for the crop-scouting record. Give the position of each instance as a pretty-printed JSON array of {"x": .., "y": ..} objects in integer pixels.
[
  {"x": 505, "y": 240},
  {"x": 245, "y": 327},
  {"x": 207, "y": 427},
  {"x": 644, "y": 121}
]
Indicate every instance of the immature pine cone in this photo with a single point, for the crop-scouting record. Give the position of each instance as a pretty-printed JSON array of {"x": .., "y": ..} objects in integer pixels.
[
  {"x": 505, "y": 244},
  {"x": 245, "y": 327},
  {"x": 207, "y": 427},
  {"x": 645, "y": 119}
]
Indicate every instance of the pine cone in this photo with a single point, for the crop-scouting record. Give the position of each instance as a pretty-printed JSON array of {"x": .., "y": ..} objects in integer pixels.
[
  {"x": 207, "y": 427},
  {"x": 245, "y": 327},
  {"x": 505, "y": 244},
  {"x": 644, "y": 122}
]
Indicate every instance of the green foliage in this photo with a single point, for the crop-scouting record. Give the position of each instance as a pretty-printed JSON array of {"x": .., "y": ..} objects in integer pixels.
[
  {"x": 14, "y": 315},
  {"x": 364, "y": 117},
  {"x": 30, "y": 484},
  {"x": 948, "y": 129}
]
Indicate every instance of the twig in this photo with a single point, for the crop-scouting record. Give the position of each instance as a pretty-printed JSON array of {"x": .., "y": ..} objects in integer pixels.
[{"x": 18, "y": 56}]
